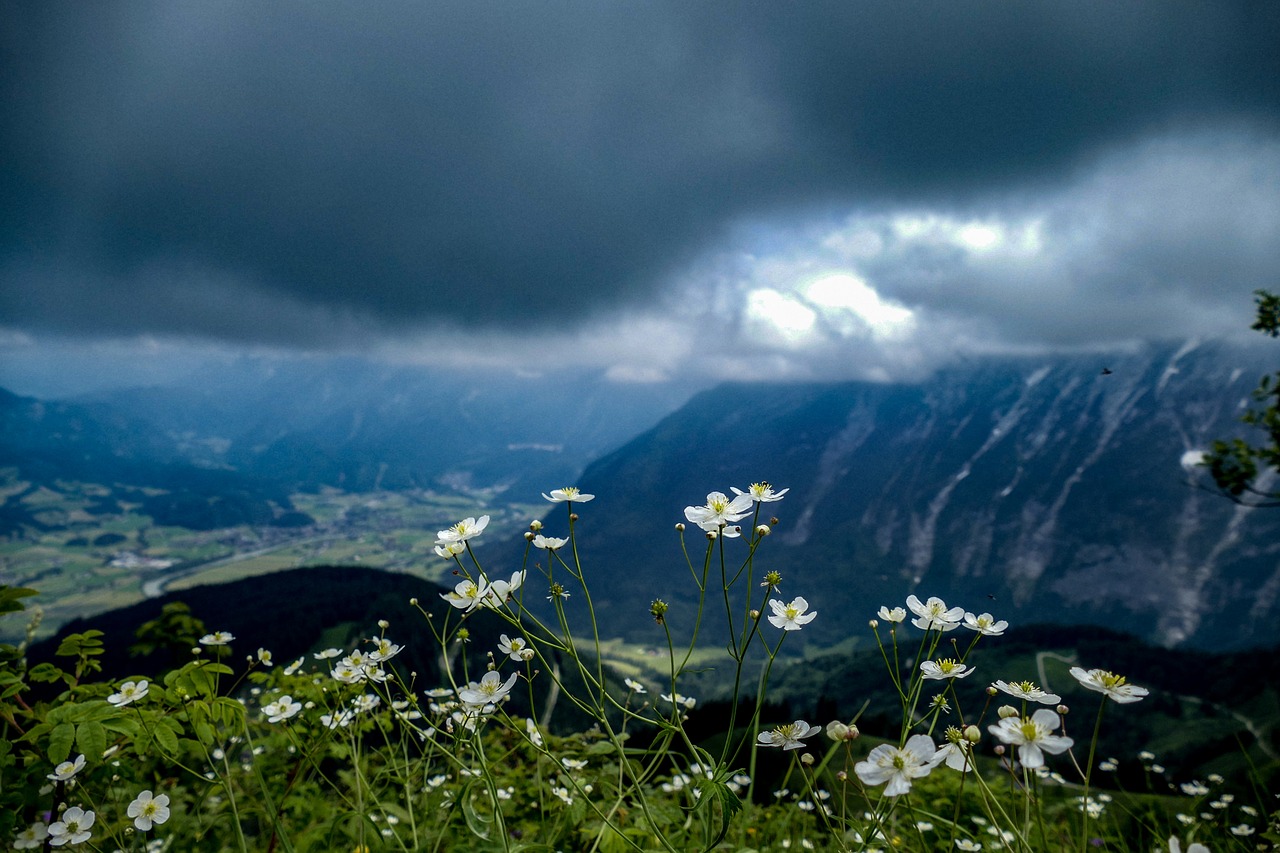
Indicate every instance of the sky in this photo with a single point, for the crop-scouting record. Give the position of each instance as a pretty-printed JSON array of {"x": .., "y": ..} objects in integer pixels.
[{"x": 660, "y": 190}]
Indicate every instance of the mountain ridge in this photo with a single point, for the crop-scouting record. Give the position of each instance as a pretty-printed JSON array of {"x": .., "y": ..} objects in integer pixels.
[{"x": 1034, "y": 486}]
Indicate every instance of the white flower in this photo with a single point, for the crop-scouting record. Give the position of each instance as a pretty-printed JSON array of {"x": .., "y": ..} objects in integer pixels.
[
  {"x": 73, "y": 828},
  {"x": 130, "y": 691},
  {"x": 985, "y": 624},
  {"x": 326, "y": 654},
  {"x": 680, "y": 699},
  {"x": 790, "y": 617},
  {"x": 897, "y": 614},
  {"x": 147, "y": 810},
  {"x": 1027, "y": 690},
  {"x": 264, "y": 658},
  {"x": 466, "y": 529},
  {"x": 1108, "y": 684},
  {"x": 531, "y": 730},
  {"x": 955, "y": 751},
  {"x": 449, "y": 550},
  {"x": 366, "y": 702},
  {"x": 967, "y": 845},
  {"x": 549, "y": 543},
  {"x": 217, "y": 638},
  {"x": 383, "y": 650},
  {"x": 933, "y": 614},
  {"x": 500, "y": 591},
  {"x": 789, "y": 735},
  {"x": 760, "y": 493},
  {"x": 513, "y": 648},
  {"x": 898, "y": 765},
  {"x": 1175, "y": 846},
  {"x": 341, "y": 719},
  {"x": 489, "y": 690},
  {"x": 67, "y": 769},
  {"x": 1242, "y": 830},
  {"x": 945, "y": 668},
  {"x": 568, "y": 494},
  {"x": 1033, "y": 737},
  {"x": 634, "y": 686},
  {"x": 348, "y": 674},
  {"x": 573, "y": 763},
  {"x": 563, "y": 793},
  {"x": 31, "y": 838},
  {"x": 719, "y": 511},
  {"x": 281, "y": 709},
  {"x": 467, "y": 594}
]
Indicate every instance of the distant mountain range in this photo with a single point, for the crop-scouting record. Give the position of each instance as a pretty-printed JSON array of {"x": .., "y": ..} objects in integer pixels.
[
  {"x": 230, "y": 445},
  {"x": 1054, "y": 489},
  {"x": 1058, "y": 488}
]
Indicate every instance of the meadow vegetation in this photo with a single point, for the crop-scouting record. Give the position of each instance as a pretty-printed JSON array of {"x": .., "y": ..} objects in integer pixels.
[{"x": 525, "y": 729}]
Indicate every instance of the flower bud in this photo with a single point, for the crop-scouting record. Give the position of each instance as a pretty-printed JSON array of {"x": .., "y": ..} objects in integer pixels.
[
  {"x": 680, "y": 527},
  {"x": 384, "y": 624},
  {"x": 1063, "y": 710},
  {"x": 999, "y": 749},
  {"x": 755, "y": 614},
  {"x": 711, "y": 534},
  {"x": 840, "y": 732},
  {"x": 573, "y": 516},
  {"x": 842, "y": 776},
  {"x": 658, "y": 610},
  {"x": 413, "y": 602},
  {"x": 991, "y": 691},
  {"x": 1006, "y": 711},
  {"x": 806, "y": 760},
  {"x": 773, "y": 521},
  {"x": 763, "y": 530},
  {"x": 535, "y": 525},
  {"x": 874, "y": 623},
  {"x": 972, "y": 734}
]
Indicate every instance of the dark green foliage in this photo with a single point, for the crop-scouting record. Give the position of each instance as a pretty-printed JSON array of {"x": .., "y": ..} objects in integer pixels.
[
  {"x": 1189, "y": 718},
  {"x": 1236, "y": 465}
]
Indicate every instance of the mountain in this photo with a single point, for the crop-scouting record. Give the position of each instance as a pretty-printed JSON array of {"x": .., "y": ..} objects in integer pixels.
[
  {"x": 1055, "y": 489},
  {"x": 230, "y": 444},
  {"x": 359, "y": 425}
]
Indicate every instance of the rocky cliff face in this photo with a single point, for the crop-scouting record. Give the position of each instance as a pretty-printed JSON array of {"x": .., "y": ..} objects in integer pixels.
[{"x": 1041, "y": 490}]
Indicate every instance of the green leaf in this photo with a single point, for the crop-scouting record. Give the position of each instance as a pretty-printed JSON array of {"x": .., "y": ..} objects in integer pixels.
[
  {"x": 10, "y": 598},
  {"x": 60, "y": 740},
  {"x": 476, "y": 822},
  {"x": 717, "y": 790},
  {"x": 75, "y": 645},
  {"x": 46, "y": 672},
  {"x": 91, "y": 739},
  {"x": 167, "y": 738}
]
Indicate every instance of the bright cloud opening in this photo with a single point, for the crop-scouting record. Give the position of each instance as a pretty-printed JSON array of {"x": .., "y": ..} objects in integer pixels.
[
  {"x": 788, "y": 319},
  {"x": 843, "y": 291}
]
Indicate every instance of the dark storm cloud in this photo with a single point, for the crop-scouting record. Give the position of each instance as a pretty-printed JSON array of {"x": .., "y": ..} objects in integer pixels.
[{"x": 296, "y": 172}]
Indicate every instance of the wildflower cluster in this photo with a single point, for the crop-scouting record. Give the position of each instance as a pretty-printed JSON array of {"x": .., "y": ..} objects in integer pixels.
[{"x": 344, "y": 749}]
